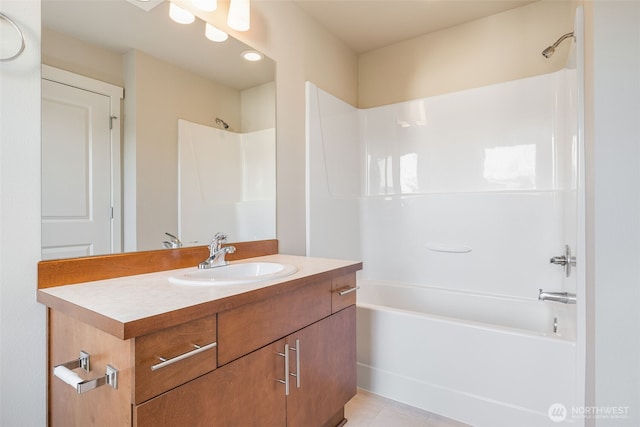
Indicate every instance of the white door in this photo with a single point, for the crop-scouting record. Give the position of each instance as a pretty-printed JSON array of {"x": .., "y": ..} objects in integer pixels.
[{"x": 76, "y": 172}]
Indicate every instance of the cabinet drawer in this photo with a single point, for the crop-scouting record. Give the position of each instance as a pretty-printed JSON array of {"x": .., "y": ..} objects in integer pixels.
[
  {"x": 343, "y": 292},
  {"x": 251, "y": 326},
  {"x": 173, "y": 356}
]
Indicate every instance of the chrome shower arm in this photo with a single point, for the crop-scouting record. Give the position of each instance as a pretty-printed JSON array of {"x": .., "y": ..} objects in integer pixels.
[{"x": 551, "y": 49}]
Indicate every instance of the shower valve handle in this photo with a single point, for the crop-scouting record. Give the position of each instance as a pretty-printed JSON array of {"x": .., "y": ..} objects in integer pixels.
[
  {"x": 559, "y": 260},
  {"x": 566, "y": 260}
]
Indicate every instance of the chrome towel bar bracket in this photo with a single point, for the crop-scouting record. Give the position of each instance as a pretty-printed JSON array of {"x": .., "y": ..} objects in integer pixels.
[
  {"x": 65, "y": 373},
  {"x": 80, "y": 362}
]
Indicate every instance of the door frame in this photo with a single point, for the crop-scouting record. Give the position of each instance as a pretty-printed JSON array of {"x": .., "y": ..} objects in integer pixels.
[{"x": 115, "y": 94}]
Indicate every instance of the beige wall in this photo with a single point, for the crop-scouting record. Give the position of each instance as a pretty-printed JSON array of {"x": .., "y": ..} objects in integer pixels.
[
  {"x": 77, "y": 56},
  {"x": 506, "y": 46}
]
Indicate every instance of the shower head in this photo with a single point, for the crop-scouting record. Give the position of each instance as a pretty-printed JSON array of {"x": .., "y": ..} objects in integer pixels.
[
  {"x": 222, "y": 123},
  {"x": 551, "y": 49}
]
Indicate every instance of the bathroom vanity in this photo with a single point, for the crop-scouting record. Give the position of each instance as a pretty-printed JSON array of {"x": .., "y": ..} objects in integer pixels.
[{"x": 267, "y": 353}]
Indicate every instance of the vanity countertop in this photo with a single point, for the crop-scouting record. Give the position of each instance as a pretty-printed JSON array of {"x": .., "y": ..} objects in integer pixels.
[{"x": 132, "y": 306}]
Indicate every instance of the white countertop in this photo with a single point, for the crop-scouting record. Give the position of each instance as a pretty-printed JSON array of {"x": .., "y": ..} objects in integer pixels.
[{"x": 131, "y": 298}]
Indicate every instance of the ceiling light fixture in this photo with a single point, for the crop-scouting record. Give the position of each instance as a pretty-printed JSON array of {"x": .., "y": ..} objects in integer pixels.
[
  {"x": 214, "y": 34},
  {"x": 238, "y": 19},
  {"x": 205, "y": 5},
  {"x": 180, "y": 15},
  {"x": 239, "y": 15},
  {"x": 252, "y": 55}
]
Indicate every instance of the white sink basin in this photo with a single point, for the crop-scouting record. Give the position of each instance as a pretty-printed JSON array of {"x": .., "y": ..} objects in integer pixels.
[{"x": 233, "y": 274}]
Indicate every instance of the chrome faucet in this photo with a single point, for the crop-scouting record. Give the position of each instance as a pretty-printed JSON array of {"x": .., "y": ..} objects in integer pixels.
[
  {"x": 217, "y": 252},
  {"x": 563, "y": 297}
]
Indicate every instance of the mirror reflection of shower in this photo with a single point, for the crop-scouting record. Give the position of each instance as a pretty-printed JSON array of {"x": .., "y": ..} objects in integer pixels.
[
  {"x": 551, "y": 49},
  {"x": 222, "y": 123}
]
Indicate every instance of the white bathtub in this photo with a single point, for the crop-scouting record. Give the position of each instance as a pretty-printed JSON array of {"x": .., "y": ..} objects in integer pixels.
[{"x": 483, "y": 360}]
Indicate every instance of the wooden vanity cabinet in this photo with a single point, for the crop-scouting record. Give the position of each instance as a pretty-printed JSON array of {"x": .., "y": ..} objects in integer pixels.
[
  {"x": 240, "y": 376},
  {"x": 249, "y": 391}
]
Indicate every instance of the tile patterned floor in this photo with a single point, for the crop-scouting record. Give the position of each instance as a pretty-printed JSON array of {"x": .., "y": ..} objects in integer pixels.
[{"x": 370, "y": 410}]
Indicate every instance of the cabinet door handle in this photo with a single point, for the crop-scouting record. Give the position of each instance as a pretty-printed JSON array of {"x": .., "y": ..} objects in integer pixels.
[
  {"x": 297, "y": 373},
  {"x": 167, "y": 362},
  {"x": 348, "y": 290},
  {"x": 285, "y": 381}
]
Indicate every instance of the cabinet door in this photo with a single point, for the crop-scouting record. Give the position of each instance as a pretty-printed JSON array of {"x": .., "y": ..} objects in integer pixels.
[
  {"x": 327, "y": 369},
  {"x": 242, "y": 393}
]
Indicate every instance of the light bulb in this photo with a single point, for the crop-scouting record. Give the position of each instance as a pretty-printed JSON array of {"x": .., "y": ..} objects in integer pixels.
[
  {"x": 252, "y": 55},
  {"x": 205, "y": 5},
  {"x": 180, "y": 15},
  {"x": 239, "y": 15},
  {"x": 215, "y": 34}
]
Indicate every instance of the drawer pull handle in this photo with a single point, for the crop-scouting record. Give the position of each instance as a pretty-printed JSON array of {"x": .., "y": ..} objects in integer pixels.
[
  {"x": 348, "y": 291},
  {"x": 297, "y": 373},
  {"x": 285, "y": 381},
  {"x": 167, "y": 362}
]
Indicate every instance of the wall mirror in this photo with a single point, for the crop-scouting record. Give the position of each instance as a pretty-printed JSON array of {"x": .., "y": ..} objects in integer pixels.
[{"x": 171, "y": 73}]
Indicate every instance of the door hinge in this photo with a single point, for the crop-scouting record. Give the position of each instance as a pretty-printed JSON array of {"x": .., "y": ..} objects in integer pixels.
[
  {"x": 110, "y": 212},
  {"x": 111, "y": 119}
]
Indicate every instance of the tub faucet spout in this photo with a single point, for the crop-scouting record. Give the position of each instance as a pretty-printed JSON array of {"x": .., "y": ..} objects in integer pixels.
[
  {"x": 563, "y": 297},
  {"x": 217, "y": 252}
]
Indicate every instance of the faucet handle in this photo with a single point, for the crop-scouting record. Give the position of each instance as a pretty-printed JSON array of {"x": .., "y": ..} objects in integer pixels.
[
  {"x": 217, "y": 242},
  {"x": 173, "y": 243},
  {"x": 566, "y": 260},
  {"x": 220, "y": 237}
]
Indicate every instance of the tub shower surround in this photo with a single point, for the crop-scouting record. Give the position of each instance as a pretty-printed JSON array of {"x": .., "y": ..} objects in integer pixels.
[
  {"x": 227, "y": 181},
  {"x": 455, "y": 203}
]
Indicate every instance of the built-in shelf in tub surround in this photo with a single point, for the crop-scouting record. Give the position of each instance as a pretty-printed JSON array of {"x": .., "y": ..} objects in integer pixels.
[{"x": 131, "y": 306}]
